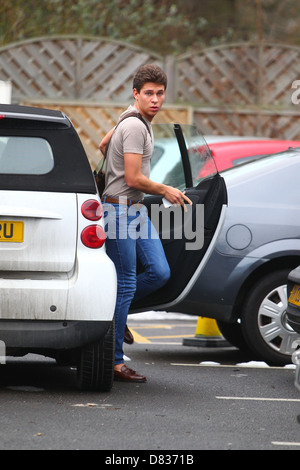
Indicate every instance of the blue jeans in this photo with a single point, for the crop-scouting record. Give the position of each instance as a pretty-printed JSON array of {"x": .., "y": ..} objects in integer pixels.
[{"x": 132, "y": 236}]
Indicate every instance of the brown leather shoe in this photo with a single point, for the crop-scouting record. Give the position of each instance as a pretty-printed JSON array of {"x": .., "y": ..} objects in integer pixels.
[
  {"x": 128, "y": 375},
  {"x": 128, "y": 336}
]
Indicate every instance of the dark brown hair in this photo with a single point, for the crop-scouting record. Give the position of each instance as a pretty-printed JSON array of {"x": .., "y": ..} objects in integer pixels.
[{"x": 149, "y": 73}]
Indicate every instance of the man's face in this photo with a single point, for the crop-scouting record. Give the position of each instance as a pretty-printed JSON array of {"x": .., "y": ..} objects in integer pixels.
[{"x": 150, "y": 99}]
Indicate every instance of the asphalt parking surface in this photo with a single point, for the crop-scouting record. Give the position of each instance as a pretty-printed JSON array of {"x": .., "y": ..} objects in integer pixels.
[{"x": 195, "y": 398}]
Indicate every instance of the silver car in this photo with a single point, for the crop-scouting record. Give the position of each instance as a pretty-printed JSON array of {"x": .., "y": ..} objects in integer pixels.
[
  {"x": 251, "y": 241},
  {"x": 57, "y": 285}
]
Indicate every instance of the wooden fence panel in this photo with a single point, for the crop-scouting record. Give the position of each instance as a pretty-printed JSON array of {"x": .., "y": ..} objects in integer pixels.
[
  {"x": 280, "y": 66},
  {"x": 236, "y": 89},
  {"x": 219, "y": 76},
  {"x": 72, "y": 68},
  {"x": 239, "y": 75},
  {"x": 282, "y": 124},
  {"x": 98, "y": 69}
]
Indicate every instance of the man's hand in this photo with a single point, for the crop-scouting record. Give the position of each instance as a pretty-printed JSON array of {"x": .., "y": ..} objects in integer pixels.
[
  {"x": 135, "y": 179},
  {"x": 175, "y": 196}
]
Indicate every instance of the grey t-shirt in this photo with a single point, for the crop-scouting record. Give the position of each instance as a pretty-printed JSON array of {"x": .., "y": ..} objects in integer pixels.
[{"x": 130, "y": 136}]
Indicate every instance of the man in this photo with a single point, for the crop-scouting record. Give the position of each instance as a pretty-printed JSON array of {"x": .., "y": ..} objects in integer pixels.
[{"x": 127, "y": 179}]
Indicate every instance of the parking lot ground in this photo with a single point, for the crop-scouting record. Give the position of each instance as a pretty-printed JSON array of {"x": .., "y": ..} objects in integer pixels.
[
  {"x": 194, "y": 399},
  {"x": 258, "y": 386},
  {"x": 162, "y": 331}
]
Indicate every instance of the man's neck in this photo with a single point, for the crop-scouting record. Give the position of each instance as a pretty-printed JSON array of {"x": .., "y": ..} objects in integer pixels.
[{"x": 149, "y": 118}]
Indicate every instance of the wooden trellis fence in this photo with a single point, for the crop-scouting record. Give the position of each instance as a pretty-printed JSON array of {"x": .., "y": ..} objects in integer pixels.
[
  {"x": 243, "y": 89},
  {"x": 72, "y": 68}
]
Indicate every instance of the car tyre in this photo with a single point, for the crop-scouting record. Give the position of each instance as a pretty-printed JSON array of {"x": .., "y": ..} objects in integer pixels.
[
  {"x": 232, "y": 332},
  {"x": 264, "y": 323},
  {"x": 95, "y": 370}
]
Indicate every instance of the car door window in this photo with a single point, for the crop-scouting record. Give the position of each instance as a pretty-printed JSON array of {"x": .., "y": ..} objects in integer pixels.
[{"x": 167, "y": 164}]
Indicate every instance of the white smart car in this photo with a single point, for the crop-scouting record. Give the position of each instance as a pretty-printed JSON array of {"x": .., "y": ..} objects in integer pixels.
[{"x": 57, "y": 285}]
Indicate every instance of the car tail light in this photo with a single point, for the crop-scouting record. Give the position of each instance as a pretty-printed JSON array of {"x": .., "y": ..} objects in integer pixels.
[
  {"x": 93, "y": 236},
  {"x": 92, "y": 210}
]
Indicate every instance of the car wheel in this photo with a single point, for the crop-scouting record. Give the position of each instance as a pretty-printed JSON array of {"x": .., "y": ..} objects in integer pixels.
[
  {"x": 232, "y": 332},
  {"x": 95, "y": 370},
  {"x": 264, "y": 320}
]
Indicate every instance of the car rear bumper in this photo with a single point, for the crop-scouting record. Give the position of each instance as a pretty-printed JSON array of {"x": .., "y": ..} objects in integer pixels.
[
  {"x": 51, "y": 335},
  {"x": 86, "y": 294}
]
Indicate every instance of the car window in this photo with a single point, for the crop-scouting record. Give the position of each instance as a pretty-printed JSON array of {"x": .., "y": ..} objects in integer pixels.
[
  {"x": 166, "y": 163},
  {"x": 156, "y": 155},
  {"x": 200, "y": 155},
  {"x": 25, "y": 155}
]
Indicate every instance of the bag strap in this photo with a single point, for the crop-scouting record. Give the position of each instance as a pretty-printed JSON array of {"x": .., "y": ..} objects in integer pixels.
[{"x": 131, "y": 114}]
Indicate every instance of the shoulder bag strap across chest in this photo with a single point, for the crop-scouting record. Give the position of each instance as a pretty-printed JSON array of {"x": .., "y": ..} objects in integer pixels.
[{"x": 131, "y": 114}]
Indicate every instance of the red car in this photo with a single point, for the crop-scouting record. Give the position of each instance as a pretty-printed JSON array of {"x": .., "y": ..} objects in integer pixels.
[{"x": 228, "y": 154}]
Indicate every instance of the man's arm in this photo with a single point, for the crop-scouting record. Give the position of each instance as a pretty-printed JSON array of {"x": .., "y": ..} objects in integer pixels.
[
  {"x": 104, "y": 142},
  {"x": 135, "y": 179}
]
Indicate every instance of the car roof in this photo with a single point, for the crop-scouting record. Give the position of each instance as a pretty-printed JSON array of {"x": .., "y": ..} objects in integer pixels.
[
  {"x": 238, "y": 149},
  {"x": 30, "y": 111},
  {"x": 263, "y": 165}
]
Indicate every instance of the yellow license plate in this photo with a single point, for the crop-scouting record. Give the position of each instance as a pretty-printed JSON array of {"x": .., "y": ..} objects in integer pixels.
[
  {"x": 11, "y": 231},
  {"x": 294, "y": 297}
]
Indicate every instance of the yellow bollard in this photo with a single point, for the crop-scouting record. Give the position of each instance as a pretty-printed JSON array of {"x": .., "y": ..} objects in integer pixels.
[{"x": 207, "y": 335}]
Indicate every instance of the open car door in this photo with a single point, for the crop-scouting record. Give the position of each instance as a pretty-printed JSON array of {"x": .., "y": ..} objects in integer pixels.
[{"x": 188, "y": 236}]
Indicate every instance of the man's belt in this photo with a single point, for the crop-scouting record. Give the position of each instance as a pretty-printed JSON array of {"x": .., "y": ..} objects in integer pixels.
[{"x": 116, "y": 200}]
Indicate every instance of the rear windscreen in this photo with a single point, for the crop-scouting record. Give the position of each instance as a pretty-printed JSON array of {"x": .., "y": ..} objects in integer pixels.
[
  {"x": 25, "y": 156},
  {"x": 43, "y": 159}
]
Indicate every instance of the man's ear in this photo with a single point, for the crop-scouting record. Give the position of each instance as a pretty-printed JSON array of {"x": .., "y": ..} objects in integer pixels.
[{"x": 135, "y": 93}]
